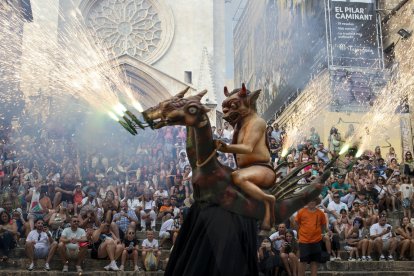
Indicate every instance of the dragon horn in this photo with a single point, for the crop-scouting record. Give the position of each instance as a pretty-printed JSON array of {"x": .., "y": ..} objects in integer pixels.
[
  {"x": 201, "y": 94},
  {"x": 182, "y": 93},
  {"x": 226, "y": 92}
]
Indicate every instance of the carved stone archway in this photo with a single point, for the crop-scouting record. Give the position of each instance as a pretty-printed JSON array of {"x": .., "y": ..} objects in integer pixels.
[{"x": 148, "y": 91}]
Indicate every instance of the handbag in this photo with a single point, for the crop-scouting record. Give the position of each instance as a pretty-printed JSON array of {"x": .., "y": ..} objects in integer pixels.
[{"x": 151, "y": 262}]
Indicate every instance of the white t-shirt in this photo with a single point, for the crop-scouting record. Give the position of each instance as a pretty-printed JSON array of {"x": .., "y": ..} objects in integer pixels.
[
  {"x": 34, "y": 236},
  {"x": 378, "y": 229},
  {"x": 69, "y": 234},
  {"x": 134, "y": 203},
  {"x": 93, "y": 203},
  {"x": 332, "y": 206},
  {"x": 407, "y": 190},
  {"x": 227, "y": 134},
  {"x": 381, "y": 191},
  {"x": 146, "y": 243},
  {"x": 148, "y": 205},
  {"x": 167, "y": 226},
  {"x": 278, "y": 243},
  {"x": 163, "y": 194}
]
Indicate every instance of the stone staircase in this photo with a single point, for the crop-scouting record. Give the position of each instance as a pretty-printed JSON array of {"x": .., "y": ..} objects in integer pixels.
[{"x": 18, "y": 263}]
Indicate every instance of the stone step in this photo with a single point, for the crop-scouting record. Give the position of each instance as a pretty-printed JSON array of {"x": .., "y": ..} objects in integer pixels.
[
  {"x": 379, "y": 266},
  {"x": 19, "y": 252},
  {"x": 56, "y": 265},
  {"x": 363, "y": 272},
  {"x": 10, "y": 272},
  {"x": 92, "y": 265}
]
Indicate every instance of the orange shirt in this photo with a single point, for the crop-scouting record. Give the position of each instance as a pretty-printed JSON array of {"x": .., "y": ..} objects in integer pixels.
[
  {"x": 166, "y": 208},
  {"x": 310, "y": 225}
]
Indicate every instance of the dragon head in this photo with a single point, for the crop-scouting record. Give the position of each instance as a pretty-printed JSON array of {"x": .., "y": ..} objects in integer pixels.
[
  {"x": 178, "y": 111},
  {"x": 238, "y": 104}
]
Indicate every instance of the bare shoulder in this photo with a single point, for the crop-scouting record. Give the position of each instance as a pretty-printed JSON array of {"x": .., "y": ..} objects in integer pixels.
[{"x": 258, "y": 122}]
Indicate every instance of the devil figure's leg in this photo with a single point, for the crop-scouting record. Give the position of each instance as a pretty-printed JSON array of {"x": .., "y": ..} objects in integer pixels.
[{"x": 251, "y": 180}]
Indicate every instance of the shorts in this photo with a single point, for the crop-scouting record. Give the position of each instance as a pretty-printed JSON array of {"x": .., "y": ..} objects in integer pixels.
[
  {"x": 332, "y": 219},
  {"x": 310, "y": 252},
  {"x": 41, "y": 252},
  {"x": 72, "y": 253},
  {"x": 386, "y": 245},
  {"x": 164, "y": 235}
]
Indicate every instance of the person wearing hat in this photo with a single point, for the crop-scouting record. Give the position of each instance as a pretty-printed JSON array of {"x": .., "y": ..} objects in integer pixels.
[
  {"x": 40, "y": 245},
  {"x": 78, "y": 196},
  {"x": 340, "y": 186},
  {"x": 91, "y": 199}
]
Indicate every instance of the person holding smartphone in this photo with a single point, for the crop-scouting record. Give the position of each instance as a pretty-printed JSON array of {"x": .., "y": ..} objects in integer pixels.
[
  {"x": 381, "y": 234},
  {"x": 356, "y": 241},
  {"x": 268, "y": 260},
  {"x": 40, "y": 245}
]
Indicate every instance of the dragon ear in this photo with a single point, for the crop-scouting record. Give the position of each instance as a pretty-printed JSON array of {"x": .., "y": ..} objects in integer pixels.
[
  {"x": 243, "y": 91},
  {"x": 226, "y": 92},
  {"x": 200, "y": 95},
  {"x": 182, "y": 93}
]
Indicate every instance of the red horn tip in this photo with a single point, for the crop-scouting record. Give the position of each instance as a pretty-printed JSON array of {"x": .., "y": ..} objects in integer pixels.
[{"x": 243, "y": 91}]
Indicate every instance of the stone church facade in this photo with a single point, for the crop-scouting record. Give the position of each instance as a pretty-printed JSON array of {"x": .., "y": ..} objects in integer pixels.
[{"x": 161, "y": 45}]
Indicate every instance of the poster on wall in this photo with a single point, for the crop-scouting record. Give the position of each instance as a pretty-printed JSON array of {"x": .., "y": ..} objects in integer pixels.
[{"x": 352, "y": 31}]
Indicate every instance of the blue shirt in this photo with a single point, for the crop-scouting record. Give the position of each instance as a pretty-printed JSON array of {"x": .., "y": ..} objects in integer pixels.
[{"x": 124, "y": 222}]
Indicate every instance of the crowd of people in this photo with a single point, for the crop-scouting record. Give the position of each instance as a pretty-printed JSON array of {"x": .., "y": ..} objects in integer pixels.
[
  {"x": 64, "y": 200},
  {"x": 352, "y": 211}
]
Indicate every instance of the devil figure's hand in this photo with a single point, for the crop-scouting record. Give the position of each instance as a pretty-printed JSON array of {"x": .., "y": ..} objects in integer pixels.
[{"x": 220, "y": 145}]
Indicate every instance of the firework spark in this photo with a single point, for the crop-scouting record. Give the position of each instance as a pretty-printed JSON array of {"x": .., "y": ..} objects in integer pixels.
[{"x": 71, "y": 62}]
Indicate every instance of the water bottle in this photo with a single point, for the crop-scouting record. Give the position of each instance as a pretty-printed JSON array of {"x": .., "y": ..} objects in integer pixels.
[{"x": 130, "y": 247}]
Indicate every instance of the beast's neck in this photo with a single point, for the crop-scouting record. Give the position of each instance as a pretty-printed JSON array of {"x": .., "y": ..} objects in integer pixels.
[{"x": 204, "y": 144}]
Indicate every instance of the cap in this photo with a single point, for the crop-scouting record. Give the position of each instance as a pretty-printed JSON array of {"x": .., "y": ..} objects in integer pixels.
[
  {"x": 92, "y": 193},
  {"x": 78, "y": 184}
]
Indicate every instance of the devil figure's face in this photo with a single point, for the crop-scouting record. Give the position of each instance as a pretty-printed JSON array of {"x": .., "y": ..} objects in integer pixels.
[{"x": 239, "y": 104}]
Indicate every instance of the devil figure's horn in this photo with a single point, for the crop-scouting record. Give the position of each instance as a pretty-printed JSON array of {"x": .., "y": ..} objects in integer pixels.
[{"x": 243, "y": 91}]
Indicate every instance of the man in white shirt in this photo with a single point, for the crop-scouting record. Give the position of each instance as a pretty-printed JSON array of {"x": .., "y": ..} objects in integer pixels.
[
  {"x": 334, "y": 208},
  {"x": 161, "y": 193},
  {"x": 150, "y": 245},
  {"x": 166, "y": 227},
  {"x": 40, "y": 245},
  {"x": 381, "y": 233},
  {"x": 278, "y": 238},
  {"x": 183, "y": 160},
  {"x": 73, "y": 245},
  {"x": 227, "y": 133}
]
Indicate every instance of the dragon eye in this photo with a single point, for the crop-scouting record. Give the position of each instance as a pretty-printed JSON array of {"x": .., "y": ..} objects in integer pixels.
[
  {"x": 192, "y": 110},
  {"x": 233, "y": 105}
]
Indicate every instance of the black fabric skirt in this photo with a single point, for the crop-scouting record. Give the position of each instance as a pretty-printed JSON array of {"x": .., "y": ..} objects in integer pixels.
[{"x": 214, "y": 241}]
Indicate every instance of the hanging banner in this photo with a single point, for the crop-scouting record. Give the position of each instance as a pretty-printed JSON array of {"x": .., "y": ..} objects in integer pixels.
[{"x": 353, "y": 34}]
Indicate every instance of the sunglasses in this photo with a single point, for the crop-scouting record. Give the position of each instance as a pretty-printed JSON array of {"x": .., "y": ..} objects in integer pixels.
[{"x": 131, "y": 233}]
